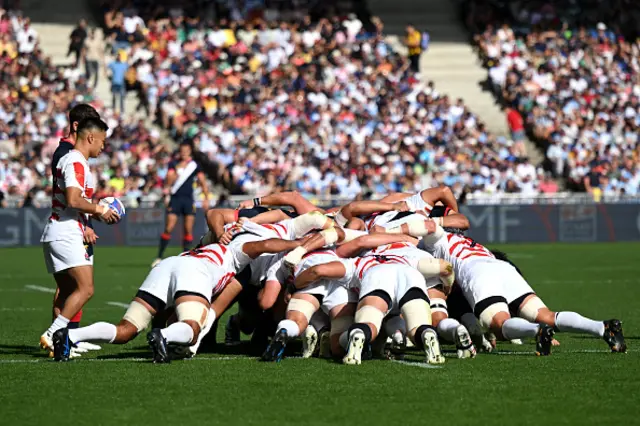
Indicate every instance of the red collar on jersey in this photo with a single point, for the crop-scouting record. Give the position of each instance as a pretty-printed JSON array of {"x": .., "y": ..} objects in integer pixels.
[{"x": 68, "y": 141}]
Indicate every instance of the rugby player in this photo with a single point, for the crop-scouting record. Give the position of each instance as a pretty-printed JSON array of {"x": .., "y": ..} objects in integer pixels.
[
  {"x": 63, "y": 239},
  {"x": 497, "y": 293},
  {"x": 76, "y": 114},
  {"x": 179, "y": 188},
  {"x": 188, "y": 281}
]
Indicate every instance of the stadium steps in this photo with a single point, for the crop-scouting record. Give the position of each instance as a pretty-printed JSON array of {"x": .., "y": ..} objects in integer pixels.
[
  {"x": 54, "y": 22},
  {"x": 450, "y": 62}
]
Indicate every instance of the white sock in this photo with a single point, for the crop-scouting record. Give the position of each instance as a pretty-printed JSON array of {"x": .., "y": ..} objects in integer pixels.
[
  {"x": 575, "y": 323},
  {"x": 98, "y": 332},
  {"x": 178, "y": 332},
  {"x": 58, "y": 323},
  {"x": 519, "y": 328},
  {"x": 447, "y": 329},
  {"x": 393, "y": 324},
  {"x": 211, "y": 318},
  {"x": 290, "y": 326}
]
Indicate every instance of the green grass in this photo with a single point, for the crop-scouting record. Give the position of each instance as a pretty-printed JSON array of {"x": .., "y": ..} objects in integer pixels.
[{"x": 579, "y": 384}]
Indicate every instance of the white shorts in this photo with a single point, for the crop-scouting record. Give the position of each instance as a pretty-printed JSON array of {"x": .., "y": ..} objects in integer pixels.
[
  {"x": 65, "y": 254},
  {"x": 178, "y": 273},
  {"x": 394, "y": 279},
  {"x": 331, "y": 293},
  {"x": 494, "y": 278}
]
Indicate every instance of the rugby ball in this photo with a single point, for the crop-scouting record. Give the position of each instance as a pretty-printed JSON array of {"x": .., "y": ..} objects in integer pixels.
[{"x": 114, "y": 204}]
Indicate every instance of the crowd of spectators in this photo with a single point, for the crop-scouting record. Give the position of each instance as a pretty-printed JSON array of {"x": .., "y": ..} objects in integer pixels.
[
  {"x": 35, "y": 97},
  {"x": 282, "y": 101},
  {"x": 571, "y": 69}
]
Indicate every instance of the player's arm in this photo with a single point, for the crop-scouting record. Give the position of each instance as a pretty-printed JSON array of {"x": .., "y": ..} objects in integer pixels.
[
  {"x": 455, "y": 220},
  {"x": 371, "y": 241},
  {"x": 217, "y": 218},
  {"x": 202, "y": 181},
  {"x": 170, "y": 179},
  {"x": 272, "y": 216},
  {"x": 226, "y": 297},
  {"x": 360, "y": 208},
  {"x": 395, "y": 197},
  {"x": 330, "y": 270},
  {"x": 254, "y": 249},
  {"x": 292, "y": 199},
  {"x": 73, "y": 175},
  {"x": 441, "y": 193}
]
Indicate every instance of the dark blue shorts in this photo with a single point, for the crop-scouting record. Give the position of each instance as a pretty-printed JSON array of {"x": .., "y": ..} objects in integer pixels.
[{"x": 182, "y": 206}]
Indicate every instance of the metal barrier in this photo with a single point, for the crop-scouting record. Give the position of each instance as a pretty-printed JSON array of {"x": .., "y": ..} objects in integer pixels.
[{"x": 489, "y": 223}]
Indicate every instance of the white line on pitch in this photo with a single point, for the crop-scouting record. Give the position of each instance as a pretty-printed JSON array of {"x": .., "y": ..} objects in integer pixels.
[
  {"x": 118, "y": 304},
  {"x": 35, "y": 361},
  {"x": 40, "y": 288},
  {"x": 415, "y": 364}
]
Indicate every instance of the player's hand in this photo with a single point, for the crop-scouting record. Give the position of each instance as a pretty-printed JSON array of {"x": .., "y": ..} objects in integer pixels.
[
  {"x": 166, "y": 200},
  {"x": 109, "y": 215},
  {"x": 400, "y": 206},
  {"x": 90, "y": 236},
  {"x": 246, "y": 204},
  {"x": 226, "y": 238}
]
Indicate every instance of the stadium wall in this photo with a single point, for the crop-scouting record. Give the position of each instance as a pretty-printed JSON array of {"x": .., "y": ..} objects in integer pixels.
[{"x": 489, "y": 224}]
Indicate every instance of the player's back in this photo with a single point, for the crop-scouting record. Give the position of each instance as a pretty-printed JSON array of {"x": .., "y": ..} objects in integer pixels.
[
  {"x": 216, "y": 260},
  {"x": 462, "y": 252},
  {"x": 323, "y": 256}
]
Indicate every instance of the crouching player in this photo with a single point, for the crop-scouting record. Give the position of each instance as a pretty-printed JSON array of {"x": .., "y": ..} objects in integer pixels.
[{"x": 187, "y": 281}]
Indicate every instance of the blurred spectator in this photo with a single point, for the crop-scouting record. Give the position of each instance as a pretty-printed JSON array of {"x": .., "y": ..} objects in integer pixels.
[
  {"x": 571, "y": 69},
  {"x": 413, "y": 40},
  {"x": 76, "y": 41},
  {"x": 94, "y": 56},
  {"x": 119, "y": 69}
]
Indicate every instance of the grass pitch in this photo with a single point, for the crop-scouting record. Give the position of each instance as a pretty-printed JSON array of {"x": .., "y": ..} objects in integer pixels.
[{"x": 581, "y": 383}]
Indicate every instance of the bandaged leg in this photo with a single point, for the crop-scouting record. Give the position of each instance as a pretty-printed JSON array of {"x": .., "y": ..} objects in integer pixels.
[
  {"x": 211, "y": 318},
  {"x": 371, "y": 318},
  {"x": 299, "y": 314},
  {"x": 138, "y": 315},
  {"x": 306, "y": 223},
  {"x": 416, "y": 312},
  {"x": 184, "y": 333},
  {"x": 496, "y": 318}
]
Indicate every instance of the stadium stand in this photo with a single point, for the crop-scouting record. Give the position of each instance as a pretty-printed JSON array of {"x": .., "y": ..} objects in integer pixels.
[
  {"x": 324, "y": 107},
  {"x": 274, "y": 97},
  {"x": 570, "y": 68}
]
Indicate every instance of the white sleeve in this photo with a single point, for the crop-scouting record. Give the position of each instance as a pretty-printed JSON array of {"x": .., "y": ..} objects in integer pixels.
[{"x": 73, "y": 174}]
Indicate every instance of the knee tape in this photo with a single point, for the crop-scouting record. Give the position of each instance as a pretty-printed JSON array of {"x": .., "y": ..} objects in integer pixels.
[
  {"x": 439, "y": 305},
  {"x": 340, "y": 325},
  {"x": 486, "y": 316},
  {"x": 352, "y": 234},
  {"x": 138, "y": 315},
  {"x": 429, "y": 267},
  {"x": 530, "y": 310},
  {"x": 306, "y": 308},
  {"x": 193, "y": 311},
  {"x": 330, "y": 236},
  {"x": 371, "y": 315},
  {"x": 306, "y": 223},
  {"x": 416, "y": 312},
  {"x": 417, "y": 228}
]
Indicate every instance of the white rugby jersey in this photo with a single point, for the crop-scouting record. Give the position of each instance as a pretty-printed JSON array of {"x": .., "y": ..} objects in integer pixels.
[
  {"x": 219, "y": 261},
  {"x": 461, "y": 252},
  {"x": 325, "y": 256},
  {"x": 64, "y": 222},
  {"x": 267, "y": 267},
  {"x": 406, "y": 251},
  {"x": 415, "y": 203}
]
